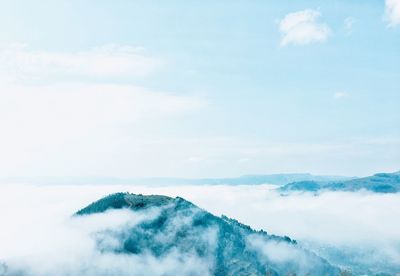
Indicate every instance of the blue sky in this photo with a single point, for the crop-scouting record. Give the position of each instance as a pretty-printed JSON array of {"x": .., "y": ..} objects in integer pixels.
[{"x": 199, "y": 88}]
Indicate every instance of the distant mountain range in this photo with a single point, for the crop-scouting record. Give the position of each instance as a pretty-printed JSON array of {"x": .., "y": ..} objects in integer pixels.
[
  {"x": 275, "y": 179},
  {"x": 230, "y": 247},
  {"x": 378, "y": 183}
]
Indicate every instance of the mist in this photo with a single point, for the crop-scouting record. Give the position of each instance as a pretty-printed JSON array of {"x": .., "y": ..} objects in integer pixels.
[{"x": 39, "y": 235}]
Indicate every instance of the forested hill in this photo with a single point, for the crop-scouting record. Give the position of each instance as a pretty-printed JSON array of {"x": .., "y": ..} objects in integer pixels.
[{"x": 230, "y": 247}]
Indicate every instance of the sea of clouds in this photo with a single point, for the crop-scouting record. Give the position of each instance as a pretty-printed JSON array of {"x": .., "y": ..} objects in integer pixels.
[{"x": 39, "y": 236}]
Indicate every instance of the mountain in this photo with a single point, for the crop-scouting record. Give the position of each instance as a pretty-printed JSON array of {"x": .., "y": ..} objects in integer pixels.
[
  {"x": 378, "y": 183},
  {"x": 276, "y": 179},
  {"x": 230, "y": 247}
]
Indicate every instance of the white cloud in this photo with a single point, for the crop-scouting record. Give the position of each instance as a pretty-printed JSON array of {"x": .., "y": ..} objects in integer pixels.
[
  {"x": 244, "y": 160},
  {"x": 302, "y": 27},
  {"x": 283, "y": 253},
  {"x": 18, "y": 62},
  {"x": 349, "y": 24},
  {"x": 195, "y": 159},
  {"x": 392, "y": 12},
  {"x": 340, "y": 95},
  {"x": 44, "y": 125}
]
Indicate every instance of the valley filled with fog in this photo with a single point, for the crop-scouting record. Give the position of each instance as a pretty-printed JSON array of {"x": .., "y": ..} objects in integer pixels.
[{"x": 358, "y": 231}]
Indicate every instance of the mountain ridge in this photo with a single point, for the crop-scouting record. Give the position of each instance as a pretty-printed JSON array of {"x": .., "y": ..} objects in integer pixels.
[{"x": 378, "y": 183}]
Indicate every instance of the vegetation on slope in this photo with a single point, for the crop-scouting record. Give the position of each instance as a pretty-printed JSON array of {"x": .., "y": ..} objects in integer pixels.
[{"x": 230, "y": 247}]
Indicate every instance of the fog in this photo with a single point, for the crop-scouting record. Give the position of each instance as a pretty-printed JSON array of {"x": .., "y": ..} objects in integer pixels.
[{"x": 39, "y": 235}]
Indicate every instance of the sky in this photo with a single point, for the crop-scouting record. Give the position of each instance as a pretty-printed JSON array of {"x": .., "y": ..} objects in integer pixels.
[{"x": 199, "y": 88}]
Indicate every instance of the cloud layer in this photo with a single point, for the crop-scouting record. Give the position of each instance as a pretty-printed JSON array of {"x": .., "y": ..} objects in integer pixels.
[
  {"x": 302, "y": 27},
  {"x": 52, "y": 122},
  {"x": 19, "y": 62},
  {"x": 392, "y": 12},
  {"x": 36, "y": 228},
  {"x": 57, "y": 106}
]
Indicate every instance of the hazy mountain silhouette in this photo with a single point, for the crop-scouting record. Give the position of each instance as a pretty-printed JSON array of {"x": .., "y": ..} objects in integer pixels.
[{"x": 379, "y": 183}]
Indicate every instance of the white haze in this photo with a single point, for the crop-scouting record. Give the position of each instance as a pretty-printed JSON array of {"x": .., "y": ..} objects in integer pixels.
[{"x": 38, "y": 233}]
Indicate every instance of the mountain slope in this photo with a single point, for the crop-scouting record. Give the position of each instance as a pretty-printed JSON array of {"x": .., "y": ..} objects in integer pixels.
[
  {"x": 230, "y": 247},
  {"x": 379, "y": 183}
]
